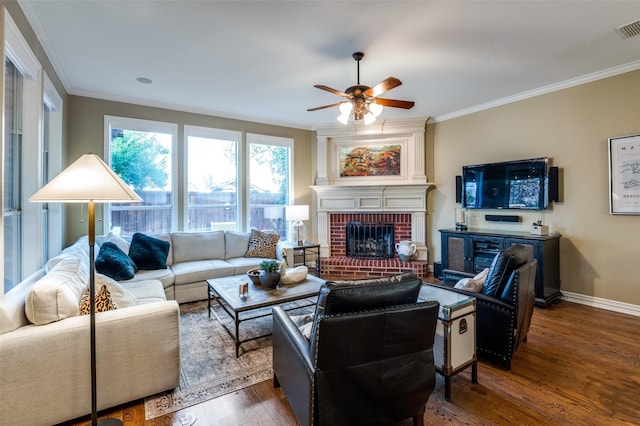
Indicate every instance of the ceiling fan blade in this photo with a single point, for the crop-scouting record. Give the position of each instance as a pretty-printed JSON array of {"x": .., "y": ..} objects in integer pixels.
[
  {"x": 324, "y": 106},
  {"x": 330, "y": 90},
  {"x": 383, "y": 86},
  {"x": 395, "y": 103}
]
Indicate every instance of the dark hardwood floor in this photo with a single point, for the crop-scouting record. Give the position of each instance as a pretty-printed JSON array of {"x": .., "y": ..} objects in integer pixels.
[{"x": 580, "y": 366}]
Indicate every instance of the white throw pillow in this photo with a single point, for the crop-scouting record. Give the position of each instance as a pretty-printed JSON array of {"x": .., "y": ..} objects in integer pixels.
[
  {"x": 56, "y": 296},
  {"x": 120, "y": 296},
  {"x": 119, "y": 241},
  {"x": 473, "y": 284}
]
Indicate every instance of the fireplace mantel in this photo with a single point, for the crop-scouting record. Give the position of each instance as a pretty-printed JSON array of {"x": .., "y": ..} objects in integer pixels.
[
  {"x": 378, "y": 198},
  {"x": 404, "y": 193}
]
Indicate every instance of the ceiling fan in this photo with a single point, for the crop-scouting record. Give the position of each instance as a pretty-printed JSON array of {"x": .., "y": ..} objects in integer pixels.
[{"x": 364, "y": 100}]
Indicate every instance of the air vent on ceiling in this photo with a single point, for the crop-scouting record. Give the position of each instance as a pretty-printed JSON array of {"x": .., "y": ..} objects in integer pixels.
[{"x": 632, "y": 29}]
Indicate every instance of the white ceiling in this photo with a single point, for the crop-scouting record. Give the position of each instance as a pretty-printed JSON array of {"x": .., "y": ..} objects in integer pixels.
[{"x": 259, "y": 60}]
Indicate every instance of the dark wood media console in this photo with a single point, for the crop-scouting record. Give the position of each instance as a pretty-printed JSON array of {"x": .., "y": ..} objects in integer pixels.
[{"x": 474, "y": 250}]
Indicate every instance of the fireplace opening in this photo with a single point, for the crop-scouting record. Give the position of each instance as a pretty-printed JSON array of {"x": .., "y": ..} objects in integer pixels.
[{"x": 370, "y": 240}]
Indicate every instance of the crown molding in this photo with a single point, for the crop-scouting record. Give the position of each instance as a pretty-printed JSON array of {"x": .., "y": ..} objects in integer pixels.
[{"x": 588, "y": 78}]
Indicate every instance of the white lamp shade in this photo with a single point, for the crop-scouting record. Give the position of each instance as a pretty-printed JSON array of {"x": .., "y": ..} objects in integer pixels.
[
  {"x": 346, "y": 108},
  {"x": 87, "y": 179},
  {"x": 297, "y": 212},
  {"x": 376, "y": 109}
]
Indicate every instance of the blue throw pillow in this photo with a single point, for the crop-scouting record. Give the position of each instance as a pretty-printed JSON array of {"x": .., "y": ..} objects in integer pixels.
[
  {"x": 148, "y": 252},
  {"x": 114, "y": 263}
]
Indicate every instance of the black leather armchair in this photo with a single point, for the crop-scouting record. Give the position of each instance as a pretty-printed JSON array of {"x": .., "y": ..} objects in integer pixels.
[
  {"x": 369, "y": 360},
  {"x": 505, "y": 306}
]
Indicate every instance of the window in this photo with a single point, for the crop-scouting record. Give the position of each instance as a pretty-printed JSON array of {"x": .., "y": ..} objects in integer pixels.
[
  {"x": 141, "y": 153},
  {"x": 270, "y": 172},
  {"x": 212, "y": 179},
  {"x": 12, "y": 186}
]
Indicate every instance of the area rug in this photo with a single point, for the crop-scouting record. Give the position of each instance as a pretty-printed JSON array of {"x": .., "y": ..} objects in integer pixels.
[{"x": 209, "y": 367}]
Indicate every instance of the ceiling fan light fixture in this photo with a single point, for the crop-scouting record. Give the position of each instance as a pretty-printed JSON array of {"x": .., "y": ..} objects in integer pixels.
[
  {"x": 375, "y": 109},
  {"x": 346, "y": 108},
  {"x": 344, "y": 118}
]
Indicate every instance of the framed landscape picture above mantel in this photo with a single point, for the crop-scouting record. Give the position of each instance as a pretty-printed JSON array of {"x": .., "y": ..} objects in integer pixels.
[
  {"x": 370, "y": 160},
  {"x": 624, "y": 175}
]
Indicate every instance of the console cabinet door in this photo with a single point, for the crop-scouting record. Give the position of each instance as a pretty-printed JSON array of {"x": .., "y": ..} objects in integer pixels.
[{"x": 455, "y": 249}]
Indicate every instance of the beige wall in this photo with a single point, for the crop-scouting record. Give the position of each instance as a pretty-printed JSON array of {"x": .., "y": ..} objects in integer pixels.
[
  {"x": 599, "y": 252},
  {"x": 86, "y": 134}
]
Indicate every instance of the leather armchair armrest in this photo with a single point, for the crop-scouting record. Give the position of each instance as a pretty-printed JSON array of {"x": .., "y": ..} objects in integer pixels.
[
  {"x": 293, "y": 367},
  {"x": 451, "y": 275}
]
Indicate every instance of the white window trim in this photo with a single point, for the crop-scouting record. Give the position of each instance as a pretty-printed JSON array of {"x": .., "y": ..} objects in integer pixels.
[
  {"x": 54, "y": 102},
  {"x": 16, "y": 48},
  {"x": 141, "y": 125},
  {"x": 212, "y": 133}
]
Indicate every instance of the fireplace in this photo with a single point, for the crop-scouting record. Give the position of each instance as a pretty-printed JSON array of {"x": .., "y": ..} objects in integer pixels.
[
  {"x": 370, "y": 240},
  {"x": 340, "y": 262}
]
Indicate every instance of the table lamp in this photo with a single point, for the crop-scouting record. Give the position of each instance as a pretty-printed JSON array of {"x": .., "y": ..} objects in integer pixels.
[
  {"x": 89, "y": 180},
  {"x": 297, "y": 214}
]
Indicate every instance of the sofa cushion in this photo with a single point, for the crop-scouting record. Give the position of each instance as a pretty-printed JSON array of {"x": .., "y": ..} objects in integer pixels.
[
  {"x": 115, "y": 263},
  {"x": 122, "y": 244},
  {"x": 165, "y": 276},
  {"x": 503, "y": 264},
  {"x": 121, "y": 296},
  {"x": 235, "y": 244},
  {"x": 149, "y": 252},
  {"x": 147, "y": 291},
  {"x": 188, "y": 246},
  {"x": 243, "y": 264},
  {"x": 262, "y": 244},
  {"x": 201, "y": 270},
  {"x": 103, "y": 301},
  {"x": 56, "y": 296},
  {"x": 12, "y": 308}
]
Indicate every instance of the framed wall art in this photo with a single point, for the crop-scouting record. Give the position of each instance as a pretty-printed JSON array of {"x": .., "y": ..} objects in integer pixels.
[
  {"x": 370, "y": 161},
  {"x": 624, "y": 175}
]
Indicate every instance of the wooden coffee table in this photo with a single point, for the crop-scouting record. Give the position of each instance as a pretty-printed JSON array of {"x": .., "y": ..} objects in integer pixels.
[{"x": 225, "y": 292}]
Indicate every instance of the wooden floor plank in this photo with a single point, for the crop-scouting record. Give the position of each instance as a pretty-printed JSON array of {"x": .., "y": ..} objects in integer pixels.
[{"x": 580, "y": 365}]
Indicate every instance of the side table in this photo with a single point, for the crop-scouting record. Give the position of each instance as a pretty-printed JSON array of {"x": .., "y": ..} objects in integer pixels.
[
  {"x": 454, "y": 347},
  {"x": 307, "y": 248}
]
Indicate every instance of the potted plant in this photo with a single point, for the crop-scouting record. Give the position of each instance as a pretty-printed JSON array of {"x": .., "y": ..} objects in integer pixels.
[{"x": 269, "y": 273}]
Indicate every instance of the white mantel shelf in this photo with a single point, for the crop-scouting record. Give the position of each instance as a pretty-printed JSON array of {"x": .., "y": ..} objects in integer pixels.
[{"x": 372, "y": 198}]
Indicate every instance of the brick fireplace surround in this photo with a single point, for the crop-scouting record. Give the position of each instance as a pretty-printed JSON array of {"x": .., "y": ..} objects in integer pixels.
[{"x": 339, "y": 265}]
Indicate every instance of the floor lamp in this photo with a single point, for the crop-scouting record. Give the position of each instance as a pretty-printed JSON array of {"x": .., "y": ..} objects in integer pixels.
[{"x": 89, "y": 180}]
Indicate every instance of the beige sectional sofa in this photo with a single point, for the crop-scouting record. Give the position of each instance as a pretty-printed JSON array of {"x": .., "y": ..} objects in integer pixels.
[
  {"x": 45, "y": 351},
  {"x": 44, "y": 341},
  {"x": 195, "y": 257}
]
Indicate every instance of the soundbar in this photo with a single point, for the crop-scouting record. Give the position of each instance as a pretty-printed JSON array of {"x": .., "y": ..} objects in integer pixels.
[{"x": 501, "y": 218}]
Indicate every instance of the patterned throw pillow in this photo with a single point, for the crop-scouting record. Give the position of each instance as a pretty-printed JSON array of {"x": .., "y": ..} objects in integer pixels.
[
  {"x": 262, "y": 244},
  {"x": 103, "y": 301}
]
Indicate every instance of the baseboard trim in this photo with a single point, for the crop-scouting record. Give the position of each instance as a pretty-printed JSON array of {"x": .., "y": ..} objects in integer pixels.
[{"x": 597, "y": 302}]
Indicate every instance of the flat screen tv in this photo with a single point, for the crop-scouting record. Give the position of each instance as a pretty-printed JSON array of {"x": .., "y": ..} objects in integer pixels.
[{"x": 521, "y": 184}]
